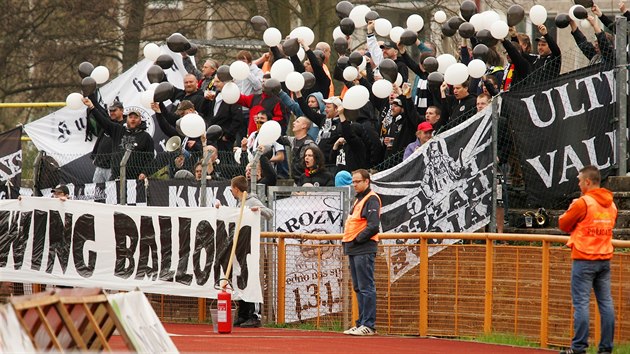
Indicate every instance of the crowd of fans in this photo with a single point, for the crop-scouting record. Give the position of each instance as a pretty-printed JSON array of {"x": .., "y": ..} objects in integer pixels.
[{"x": 320, "y": 138}]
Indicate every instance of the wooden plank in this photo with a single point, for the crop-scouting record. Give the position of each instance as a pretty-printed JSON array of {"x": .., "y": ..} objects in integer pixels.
[{"x": 48, "y": 329}]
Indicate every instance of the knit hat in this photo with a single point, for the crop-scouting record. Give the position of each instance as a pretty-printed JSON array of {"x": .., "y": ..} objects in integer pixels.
[{"x": 343, "y": 178}]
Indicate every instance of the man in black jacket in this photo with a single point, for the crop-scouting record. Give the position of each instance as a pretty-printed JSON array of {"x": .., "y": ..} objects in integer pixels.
[
  {"x": 228, "y": 116},
  {"x": 459, "y": 106},
  {"x": 102, "y": 151},
  {"x": 133, "y": 136}
]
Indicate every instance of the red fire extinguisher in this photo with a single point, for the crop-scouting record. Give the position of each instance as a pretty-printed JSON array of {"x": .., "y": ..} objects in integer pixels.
[{"x": 224, "y": 310}]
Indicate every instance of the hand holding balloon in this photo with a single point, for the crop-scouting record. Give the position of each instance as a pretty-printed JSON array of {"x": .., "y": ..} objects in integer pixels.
[{"x": 542, "y": 29}]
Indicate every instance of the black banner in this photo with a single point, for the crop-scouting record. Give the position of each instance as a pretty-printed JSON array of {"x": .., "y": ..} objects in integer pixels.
[
  {"x": 559, "y": 128},
  {"x": 10, "y": 163},
  {"x": 445, "y": 186}
]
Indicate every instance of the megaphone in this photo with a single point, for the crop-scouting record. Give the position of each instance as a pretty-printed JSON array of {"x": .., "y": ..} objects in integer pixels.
[{"x": 173, "y": 143}]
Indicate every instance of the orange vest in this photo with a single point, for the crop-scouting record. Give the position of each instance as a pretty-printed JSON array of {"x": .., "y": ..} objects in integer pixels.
[
  {"x": 592, "y": 237},
  {"x": 355, "y": 223}
]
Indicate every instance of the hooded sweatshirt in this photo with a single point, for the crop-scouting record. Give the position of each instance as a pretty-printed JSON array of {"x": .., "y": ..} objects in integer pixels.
[{"x": 577, "y": 212}]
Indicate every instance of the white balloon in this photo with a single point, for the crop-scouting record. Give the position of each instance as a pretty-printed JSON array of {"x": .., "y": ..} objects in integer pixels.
[
  {"x": 192, "y": 125},
  {"x": 146, "y": 98},
  {"x": 382, "y": 26},
  {"x": 356, "y": 97},
  {"x": 398, "y": 79},
  {"x": 272, "y": 36},
  {"x": 239, "y": 70},
  {"x": 357, "y": 15},
  {"x": 281, "y": 68},
  {"x": 476, "y": 68},
  {"x": 477, "y": 20},
  {"x": 295, "y": 81},
  {"x": 382, "y": 88},
  {"x": 269, "y": 132},
  {"x": 363, "y": 64},
  {"x": 585, "y": 24},
  {"x": 230, "y": 93},
  {"x": 100, "y": 74},
  {"x": 337, "y": 33},
  {"x": 538, "y": 14},
  {"x": 490, "y": 17},
  {"x": 301, "y": 54},
  {"x": 151, "y": 51},
  {"x": 395, "y": 33},
  {"x": 440, "y": 16},
  {"x": 74, "y": 101},
  {"x": 499, "y": 30},
  {"x": 350, "y": 73},
  {"x": 304, "y": 33},
  {"x": 415, "y": 22},
  {"x": 456, "y": 74},
  {"x": 444, "y": 61}
]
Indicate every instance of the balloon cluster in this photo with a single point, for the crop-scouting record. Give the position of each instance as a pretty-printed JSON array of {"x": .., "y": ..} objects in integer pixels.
[{"x": 91, "y": 77}]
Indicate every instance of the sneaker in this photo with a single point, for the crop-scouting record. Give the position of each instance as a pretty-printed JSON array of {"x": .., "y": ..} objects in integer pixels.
[
  {"x": 572, "y": 351},
  {"x": 363, "y": 331},
  {"x": 251, "y": 323},
  {"x": 238, "y": 321},
  {"x": 350, "y": 330}
]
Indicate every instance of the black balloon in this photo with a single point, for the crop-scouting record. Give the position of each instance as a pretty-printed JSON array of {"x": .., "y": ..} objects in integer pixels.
[
  {"x": 485, "y": 37},
  {"x": 466, "y": 30},
  {"x": 223, "y": 73},
  {"x": 309, "y": 80},
  {"x": 580, "y": 12},
  {"x": 193, "y": 50},
  {"x": 388, "y": 70},
  {"x": 515, "y": 15},
  {"x": 85, "y": 69},
  {"x": 408, "y": 37},
  {"x": 586, "y": 3},
  {"x": 343, "y": 9},
  {"x": 165, "y": 61},
  {"x": 435, "y": 78},
  {"x": 291, "y": 47},
  {"x": 272, "y": 87},
  {"x": 430, "y": 64},
  {"x": 347, "y": 26},
  {"x": 447, "y": 30},
  {"x": 214, "y": 132},
  {"x": 163, "y": 92},
  {"x": 563, "y": 20},
  {"x": 155, "y": 74},
  {"x": 342, "y": 63},
  {"x": 341, "y": 45},
  {"x": 88, "y": 86},
  {"x": 467, "y": 9},
  {"x": 177, "y": 43},
  {"x": 454, "y": 22},
  {"x": 480, "y": 51},
  {"x": 371, "y": 16},
  {"x": 355, "y": 59},
  {"x": 259, "y": 23}
]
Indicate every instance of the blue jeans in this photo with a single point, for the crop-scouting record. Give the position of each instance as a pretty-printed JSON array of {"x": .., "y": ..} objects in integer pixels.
[
  {"x": 362, "y": 271},
  {"x": 584, "y": 276}
]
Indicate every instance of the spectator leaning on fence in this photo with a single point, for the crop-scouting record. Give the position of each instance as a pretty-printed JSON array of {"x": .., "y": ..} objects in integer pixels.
[
  {"x": 590, "y": 219},
  {"x": 360, "y": 243}
]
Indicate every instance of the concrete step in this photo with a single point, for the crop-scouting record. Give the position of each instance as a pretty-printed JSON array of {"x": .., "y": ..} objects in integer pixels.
[
  {"x": 617, "y": 183},
  {"x": 623, "y": 217}
]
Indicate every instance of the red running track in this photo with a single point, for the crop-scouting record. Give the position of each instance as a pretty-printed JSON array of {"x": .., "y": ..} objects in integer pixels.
[{"x": 195, "y": 338}]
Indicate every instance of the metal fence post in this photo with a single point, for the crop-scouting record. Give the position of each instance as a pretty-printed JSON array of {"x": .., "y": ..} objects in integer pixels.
[
  {"x": 424, "y": 286},
  {"x": 203, "y": 197},
  {"x": 495, "y": 167},
  {"x": 123, "y": 177},
  {"x": 621, "y": 59},
  {"x": 487, "y": 317},
  {"x": 544, "y": 296}
]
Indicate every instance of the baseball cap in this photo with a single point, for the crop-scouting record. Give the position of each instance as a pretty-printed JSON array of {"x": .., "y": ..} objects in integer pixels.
[
  {"x": 61, "y": 188},
  {"x": 389, "y": 44},
  {"x": 334, "y": 100},
  {"x": 397, "y": 102},
  {"x": 134, "y": 111},
  {"x": 183, "y": 106},
  {"x": 115, "y": 105},
  {"x": 425, "y": 127}
]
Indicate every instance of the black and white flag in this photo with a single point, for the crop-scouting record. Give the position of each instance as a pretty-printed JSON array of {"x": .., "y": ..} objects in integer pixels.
[
  {"x": 559, "y": 128},
  {"x": 444, "y": 186},
  {"x": 10, "y": 163}
]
